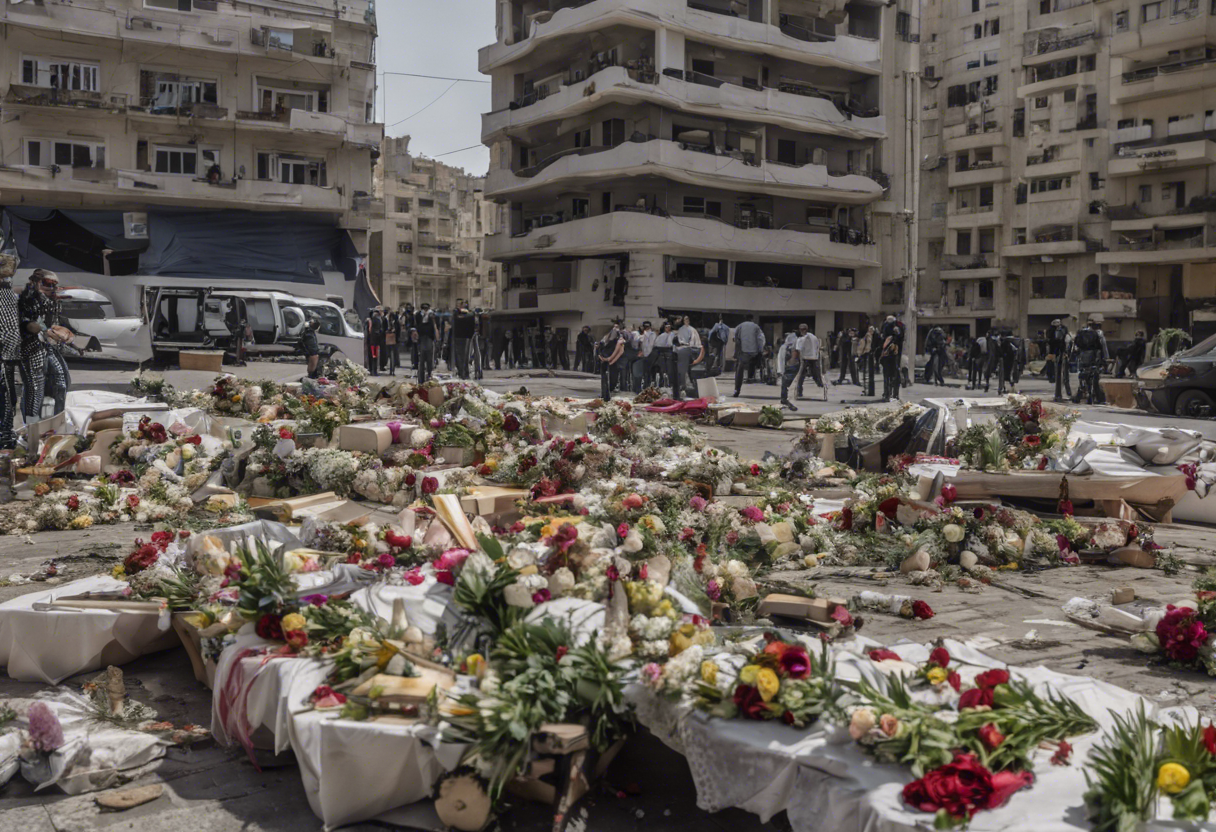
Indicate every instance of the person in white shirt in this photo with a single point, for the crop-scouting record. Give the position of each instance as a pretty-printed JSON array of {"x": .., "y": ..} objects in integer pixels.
[
  {"x": 663, "y": 355},
  {"x": 643, "y": 368},
  {"x": 788, "y": 367},
  {"x": 688, "y": 344},
  {"x": 808, "y": 351}
]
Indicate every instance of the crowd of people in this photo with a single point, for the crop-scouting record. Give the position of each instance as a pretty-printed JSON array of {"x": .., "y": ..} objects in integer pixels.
[{"x": 33, "y": 338}]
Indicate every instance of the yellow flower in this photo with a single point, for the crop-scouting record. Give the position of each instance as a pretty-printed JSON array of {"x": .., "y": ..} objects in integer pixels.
[
  {"x": 1172, "y": 778},
  {"x": 748, "y": 674},
  {"x": 936, "y": 675},
  {"x": 678, "y": 643},
  {"x": 709, "y": 672},
  {"x": 475, "y": 664},
  {"x": 767, "y": 683},
  {"x": 293, "y": 621},
  {"x": 236, "y": 397},
  {"x": 119, "y": 572}
]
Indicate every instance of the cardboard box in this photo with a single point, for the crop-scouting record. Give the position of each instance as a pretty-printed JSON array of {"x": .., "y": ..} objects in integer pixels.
[
  {"x": 371, "y": 439},
  {"x": 565, "y": 428},
  {"x": 284, "y": 510},
  {"x": 345, "y": 514},
  {"x": 814, "y": 610},
  {"x": 211, "y": 361},
  {"x": 453, "y": 455},
  {"x": 408, "y": 690},
  {"x": 484, "y": 500},
  {"x": 707, "y": 388}
]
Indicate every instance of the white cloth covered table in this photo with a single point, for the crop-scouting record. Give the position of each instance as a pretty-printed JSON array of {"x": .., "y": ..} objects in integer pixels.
[
  {"x": 825, "y": 782},
  {"x": 51, "y": 645}
]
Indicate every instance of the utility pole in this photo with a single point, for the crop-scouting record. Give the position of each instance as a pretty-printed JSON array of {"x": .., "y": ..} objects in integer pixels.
[{"x": 911, "y": 212}]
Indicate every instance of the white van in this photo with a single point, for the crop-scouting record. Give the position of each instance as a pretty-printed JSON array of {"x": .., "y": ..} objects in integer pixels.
[
  {"x": 183, "y": 318},
  {"x": 91, "y": 314}
]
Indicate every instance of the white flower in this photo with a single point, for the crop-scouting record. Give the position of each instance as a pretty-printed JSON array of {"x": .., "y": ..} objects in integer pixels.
[
  {"x": 860, "y": 723},
  {"x": 953, "y": 532},
  {"x": 518, "y": 595},
  {"x": 521, "y": 557},
  {"x": 561, "y": 582},
  {"x": 1146, "y": 643}
]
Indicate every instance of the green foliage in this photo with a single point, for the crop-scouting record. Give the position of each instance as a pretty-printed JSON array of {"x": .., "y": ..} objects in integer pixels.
[
  {"x": 266, "y": 584},
  {"x": 481, "y": 593},
  {"x": 1026, "y": 720},
  {"x": 1121, "y": 775}
]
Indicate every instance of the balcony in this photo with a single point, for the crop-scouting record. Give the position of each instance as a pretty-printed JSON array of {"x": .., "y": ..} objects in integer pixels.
[
  {"x": 1053, "y": 240},
  {"x": 1162, "y": 247},
  {"x": 1178, "y": 31},
  {"x": 978, "y": 173},
  {"x": 1060, "y": 82},
  {"x": 970, "y": 267},
  {"x": 1132, "y": 161},
  {"x": 681, "y": 163},
  {"x": 617, "y": 85},
  {"x": 1048, "y": 46},
  {"x": 973, "y": 216},
  {"x": 1164, "y": 79},
  {"x": 625, "y": 230},
  {"x": 1112, "y": 307},
  {"x": 1124, "y": 135},
  {"x": 1136, "y": 220},
  {"x": 1056, "y": 307},
  {"x": 80, "y": 102},
  {"x": 845, "y": 52},
  {"x": 1051, "y": 164}
]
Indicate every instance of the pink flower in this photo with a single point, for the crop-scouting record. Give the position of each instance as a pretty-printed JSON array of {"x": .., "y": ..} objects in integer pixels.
[
  {"x": 652, "y": 672},
  {"x": 414, "y": 577},
  {"x": 1181, "y": 634},
  {"x": 612, "y": 573},
  {"x": 643, "y": 572},
  {"x": 633, "y": 501},
  {"x": 697, "y": 503},
  {"x": 46, "y": 734},
  {"x": 732, "y": 537},
  {"x": 713, "y": 590},
  {"x": 622, "y": 531},
  {"x": 429, "y": 485},
  {"x": 752, "y": 513},
  {"x": 386, "y": 560},
  {"x": 842, "y": 616},
  {"x": 687, "y": 533},
  {"x": 541, "y": 596}
]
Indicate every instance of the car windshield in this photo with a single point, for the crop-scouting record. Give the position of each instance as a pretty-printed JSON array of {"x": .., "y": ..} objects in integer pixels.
[
  {"x": 1204, "y": 347},
  {"x": 331, "y": 320}
]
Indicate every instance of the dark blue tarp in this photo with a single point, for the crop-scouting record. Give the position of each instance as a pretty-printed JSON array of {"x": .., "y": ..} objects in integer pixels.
[{"x": 246, "y": 245}]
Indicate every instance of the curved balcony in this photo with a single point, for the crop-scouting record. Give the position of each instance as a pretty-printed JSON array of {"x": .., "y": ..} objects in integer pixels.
[
  {"x": 684, "y": 236},
  {"x": 845, "y": 52},
  {"x": 614, "y": 84},
  {"x": 673, "y": 161}
]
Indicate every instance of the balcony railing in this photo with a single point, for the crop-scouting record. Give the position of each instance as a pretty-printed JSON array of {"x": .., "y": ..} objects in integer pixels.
[
  {"x": 1145, "y": 73},
  {"x": 1124, "y": 243},
  {"x": 796, "y": 28},
  {"x": 1044, "y": 45},
  {"x": 967, "y": 262}
]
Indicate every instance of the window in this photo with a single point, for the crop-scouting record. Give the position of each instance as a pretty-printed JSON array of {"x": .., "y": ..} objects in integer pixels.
[
  {"x": 273, "y": 99},
  {"x": 1044, "y": 6},
  {"x": 1040, "y": 102},
  {"x": 930, "y": 71},
  {"x": 977, "y": 31},
  {"x": 170, "y": 91},
  {"x": 962, "y": 242},
  {"x": 903, "y": 24},
  {"x": 990, "y": 85},
  {"x": 963, "y": 198},
  {"x": 405, "y": 248},
  {"x": 189, "y": 161},
  {"x": 700, "y": 205},
  {"x": 962, "y": 161},
  {"x": 60, "y": 74},
  {"x": 1019, "y": 236},
  {"x": 956, "y": 96},
  {"x": 1121, "y": 21},
  {"x": 291, "y": 169},
  {"x": 1146, "y": 193},
  {"x": 580, "y": 207},
  {"x": 985, "y": 196},
  {"x": 1184, "y": 6},
  {"x": 1055, "y": 183},
  {"x": 992, "y": 27},
  {"x": 973, "y": 64},
  {"x": 1150, "y": 12},
  {"x": 173, "y": 5},
  {"x": 583, "y": 138},
  {"x": 975, "y": 5},
  {"x": 987, "y": 240},
  {"x": 66, "y": 153},
  {"x": 992, "y": 57},
  {"x": 1070, "y": 95}
]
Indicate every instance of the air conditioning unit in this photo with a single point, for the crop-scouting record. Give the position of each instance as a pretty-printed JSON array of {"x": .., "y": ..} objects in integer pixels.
[{"x": 135, "y": 226}]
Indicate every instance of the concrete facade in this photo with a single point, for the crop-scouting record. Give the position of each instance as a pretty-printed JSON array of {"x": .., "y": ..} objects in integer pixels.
[
  {"x": 661, "y": 157},
  {"x": 130, "y": 104},
  {"x": 435, "y": 223}
]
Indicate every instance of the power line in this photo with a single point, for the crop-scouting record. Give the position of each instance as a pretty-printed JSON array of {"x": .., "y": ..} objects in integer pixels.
[
  {"x": 450, "y": 152},
  {"x": 411, "y": 115},
  {"x": 439, "y": 77}
]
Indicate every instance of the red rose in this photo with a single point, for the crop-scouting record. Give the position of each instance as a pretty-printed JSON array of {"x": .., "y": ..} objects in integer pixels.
[
  {"x": 429, "y": 485},
  {"x": 132, "y": 500},
  {"x": 796, "y": 663},
  {"x": 285, "y": 433},
  {"x": 749, "y": 702},
  {"x": 141, "y": 559},
  {"x": 921, "y": 610},
  {"x": 964, "y": 787},
  {"x": 195, "y": 440},
  {"x": 270, "y": 627},
  {"x": 889, "y": 506},
  {"x": 841, "y": 616},
  {"x": 622, "y": 530},
  {"x": 410, "y": 479},
  {"x": 991, "y": 678},
  {"x": 949, "y": 493},
  {"x": 73, "y": 502},
  {"x": 1181, "y": 634},
  {"x": 1032, "y": 441},
  {"x": 755, "y": 470},
  {"x": 990, "y": 736},
  {"x": 882, "y": 654},
  {"x": 975, "y": 698},
  {"x": 954, "y": 681},
  {"x": 296, "y": 638},
  {"x": 940, "y": 657},
  {"x": 510, "y": 423},
  {"x": 1064, "y": 751},
  {"x": 162, "y": 539},
  {"x": 1065, "y": 508},
  {"x": 398, "y": 541}
]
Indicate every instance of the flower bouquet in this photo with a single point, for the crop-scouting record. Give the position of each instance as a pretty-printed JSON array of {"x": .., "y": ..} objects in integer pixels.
[{"x": 783, "y": 681}]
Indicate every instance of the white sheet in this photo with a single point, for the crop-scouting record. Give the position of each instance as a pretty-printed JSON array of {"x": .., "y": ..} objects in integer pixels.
[{"x": 49, "y": 646}]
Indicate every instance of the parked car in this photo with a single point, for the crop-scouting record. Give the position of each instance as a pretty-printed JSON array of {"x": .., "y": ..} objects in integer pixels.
[
  {"x": 105, "y": 335},
  {"x": 1183, "y": 384},
  {"x": 336, "y": 336},
  {"x": 181, "y": 317}
]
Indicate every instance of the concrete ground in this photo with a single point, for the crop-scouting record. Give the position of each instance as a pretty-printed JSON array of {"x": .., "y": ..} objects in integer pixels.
[{"x": 212, "y": 789}]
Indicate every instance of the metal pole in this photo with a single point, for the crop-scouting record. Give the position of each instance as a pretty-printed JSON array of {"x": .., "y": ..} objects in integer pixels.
[{"x": 912, "y": 208}]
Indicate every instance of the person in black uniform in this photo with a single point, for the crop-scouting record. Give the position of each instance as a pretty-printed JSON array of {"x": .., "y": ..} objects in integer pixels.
[
  {"x": 10, "y": 356},
  {"x": 935, "y": 345},
  {"x": 310, "y": 347},
  {"x": 892, "y": 347},
  {"x": 427, "y": 333},
  {"x": 43, "y": 368}
]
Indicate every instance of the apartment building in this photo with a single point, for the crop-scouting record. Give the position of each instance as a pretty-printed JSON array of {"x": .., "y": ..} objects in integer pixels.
[
  {"x": 221, "y": 139},
  {"x": 1160, "y": 188},
  {"x": 1014, "y": 180},
  {"x": 702, "y": 157},
  {"x": 436, "y": 219}
]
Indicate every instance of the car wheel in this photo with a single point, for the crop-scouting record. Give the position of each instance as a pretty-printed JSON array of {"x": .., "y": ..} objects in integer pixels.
[{"x": 1192, "y": 403}]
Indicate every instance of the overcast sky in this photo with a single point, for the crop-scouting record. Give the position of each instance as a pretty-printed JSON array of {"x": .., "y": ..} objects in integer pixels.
[{"x": 435, "y": 37}]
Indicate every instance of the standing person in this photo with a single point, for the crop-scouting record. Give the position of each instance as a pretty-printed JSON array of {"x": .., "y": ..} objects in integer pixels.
[
  {"x": 236, "y": 323},
  {"x": 376, "y": 331},
  {"x": 749, "y": 343},
  {"x": 479, "y": 344},
  {"x": 584, "y": 350},
  {"x": 409, "y": 325},
  {"x": 428, "y": 332},
  {"x": 560, "y": 350},
  {"x": 608, "y": 352},
  {"x": 688, "y": 344},
  {"x": 42, "y": 368},
  {"x": 789, "y": 364},
  {"x": 463, "y": 327},
  {"x": 977, "y": 359},
  {"x": 310, "y": 347},
  {"x": 875, "y": 358},
  {"x": 808, "y": 353},
  {"x": 844, "y": 350},
  {"x": 1092, "y": 355},
  {"x": 663, "y": 352},
  {"x": 935, "y": 346},
  {"x": 644, "y": 366},
  {"x": 719, "y": 334},
  {"x": 10, "y": 360},
  {"x": 892, "y": 346},
  {"x": 392, "y": 340}
]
